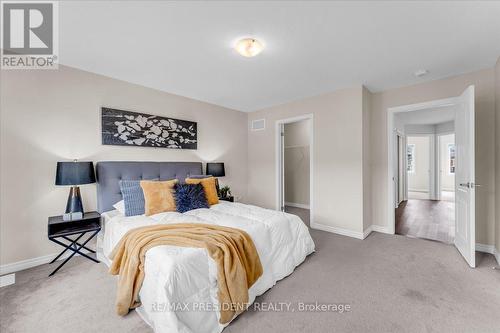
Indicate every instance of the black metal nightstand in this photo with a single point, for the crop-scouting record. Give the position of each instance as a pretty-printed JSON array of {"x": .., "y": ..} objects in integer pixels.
[
  {"x": 229, "y": 198},
  {"x": 58, "y": 228}
]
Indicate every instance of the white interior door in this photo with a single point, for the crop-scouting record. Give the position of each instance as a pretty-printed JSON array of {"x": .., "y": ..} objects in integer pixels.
[{"x": 465, "y": 235}]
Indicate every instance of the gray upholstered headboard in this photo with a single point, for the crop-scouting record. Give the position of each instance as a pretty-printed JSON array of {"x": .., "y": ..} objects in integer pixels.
[{"x": 109, "y": 174}]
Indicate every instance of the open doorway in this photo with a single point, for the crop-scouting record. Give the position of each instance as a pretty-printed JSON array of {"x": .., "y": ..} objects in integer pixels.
[
  {"x": 294, "y": 173},
  {"x": 429, "y": 211},
  {"x": 439, "y": 180}
]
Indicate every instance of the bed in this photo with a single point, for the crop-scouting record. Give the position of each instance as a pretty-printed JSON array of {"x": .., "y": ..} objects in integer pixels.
[{"x": 179, "y": 292}]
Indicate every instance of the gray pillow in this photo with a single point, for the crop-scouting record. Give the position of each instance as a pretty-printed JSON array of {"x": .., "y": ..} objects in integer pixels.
[
  {"x": 133, "y": 197},
  {"x": 199, "y": 176}
]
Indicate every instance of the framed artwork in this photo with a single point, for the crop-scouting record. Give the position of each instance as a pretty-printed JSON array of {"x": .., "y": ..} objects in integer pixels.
[{"x": 126, "y": 128}]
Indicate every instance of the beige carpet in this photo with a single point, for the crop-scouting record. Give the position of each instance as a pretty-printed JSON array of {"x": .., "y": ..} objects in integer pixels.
[{"x": 392, "y": 283}]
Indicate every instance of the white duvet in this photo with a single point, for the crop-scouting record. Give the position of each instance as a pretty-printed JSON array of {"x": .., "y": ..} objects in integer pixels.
[{"x": 179, "y": 292}]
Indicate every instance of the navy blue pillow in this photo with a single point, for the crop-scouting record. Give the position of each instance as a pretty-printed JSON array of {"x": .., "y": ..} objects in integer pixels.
[
  {"x": 133, "y": 196},
  {"x": 189, "y": 197}
]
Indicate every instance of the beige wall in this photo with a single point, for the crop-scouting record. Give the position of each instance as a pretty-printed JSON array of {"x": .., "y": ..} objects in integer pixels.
[
  {"x": 485, "y": 138},
  {"x": 337, "y": 157},
  {"x": 419, "y": 180},
  {"x": 297, "y": 167},
  {"x": 53, "y": 115}
]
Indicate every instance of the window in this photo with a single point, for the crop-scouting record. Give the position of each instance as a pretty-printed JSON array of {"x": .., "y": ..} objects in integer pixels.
[
  {"x": 410, "y": 157},
  {"x": 451, "y": 159}
]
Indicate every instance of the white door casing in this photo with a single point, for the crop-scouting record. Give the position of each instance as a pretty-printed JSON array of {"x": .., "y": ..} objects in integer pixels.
[
  {"x": 401, "y": 168},
  {"x": 465, "y": 185},
  {"x": 282, "y": 166},
  {"x": 465, "y": 235},
  {"x": 280, "y": 158}
]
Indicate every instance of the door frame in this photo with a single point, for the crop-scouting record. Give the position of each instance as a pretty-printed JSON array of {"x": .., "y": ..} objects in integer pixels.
[
  {"x": 280, "y": 174},
  {"x": 404, "y": 179},
  {"x": 391, "y": 112}
]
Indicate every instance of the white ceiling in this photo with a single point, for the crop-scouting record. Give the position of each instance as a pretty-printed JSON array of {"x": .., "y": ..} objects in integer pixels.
[
  {"x": 185, "y": 48},
  {"x": 427, "y": 117}
]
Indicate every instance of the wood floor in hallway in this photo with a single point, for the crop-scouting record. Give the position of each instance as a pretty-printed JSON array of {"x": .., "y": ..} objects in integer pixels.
[{"x": 429, "y": 219}]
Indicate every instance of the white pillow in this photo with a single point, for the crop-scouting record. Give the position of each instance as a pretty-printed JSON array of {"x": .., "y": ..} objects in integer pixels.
[{"x": 120, "y": 206}]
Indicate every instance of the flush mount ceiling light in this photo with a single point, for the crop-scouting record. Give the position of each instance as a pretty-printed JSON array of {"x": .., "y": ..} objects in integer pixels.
[
  {"x": 421, "y": 72},
  {"x": 249, "y": 47}
]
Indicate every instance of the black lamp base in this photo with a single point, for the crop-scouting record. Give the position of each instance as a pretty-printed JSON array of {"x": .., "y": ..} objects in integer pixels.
[
  {"x": 217, "y": 187},
  {"x": 74, "y": 206}
]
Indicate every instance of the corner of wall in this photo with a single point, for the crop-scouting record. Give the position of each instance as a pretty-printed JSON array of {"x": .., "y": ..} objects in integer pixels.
[
  {"x": 497, "y": 158},
  {"x": 367, "y": 165}
]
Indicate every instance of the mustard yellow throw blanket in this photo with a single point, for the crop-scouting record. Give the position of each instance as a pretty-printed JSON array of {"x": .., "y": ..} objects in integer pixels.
[{"x": 233, "y": 251}]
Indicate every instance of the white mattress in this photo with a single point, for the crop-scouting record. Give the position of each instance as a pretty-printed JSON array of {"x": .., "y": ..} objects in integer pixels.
[{"x": 176, "y": 276}]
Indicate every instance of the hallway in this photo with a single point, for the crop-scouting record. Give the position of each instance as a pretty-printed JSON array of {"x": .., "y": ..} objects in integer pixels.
[{"x": 428, "y": 219}]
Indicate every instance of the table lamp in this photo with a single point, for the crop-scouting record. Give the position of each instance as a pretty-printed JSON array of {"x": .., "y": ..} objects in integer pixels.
[
  {"x": 74, "y": 173},
  {"x": 216, "y": 170}
]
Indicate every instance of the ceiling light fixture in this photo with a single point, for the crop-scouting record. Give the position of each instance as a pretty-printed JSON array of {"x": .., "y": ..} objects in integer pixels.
[
  {"x": 249, "y": 47},
  {"x": 421, "y": 72}
]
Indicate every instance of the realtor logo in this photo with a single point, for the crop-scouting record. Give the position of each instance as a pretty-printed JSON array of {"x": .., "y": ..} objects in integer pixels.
[{"x": 29, "y": 35}]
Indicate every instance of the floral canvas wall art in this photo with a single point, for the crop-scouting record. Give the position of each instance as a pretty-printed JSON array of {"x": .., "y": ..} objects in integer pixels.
[{"x": 126, "y": 128}]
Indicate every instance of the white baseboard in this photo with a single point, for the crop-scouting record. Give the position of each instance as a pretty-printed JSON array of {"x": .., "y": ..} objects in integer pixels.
[
  {"x": 7, "y": 280},
  {"x": 485, "y": 248},
  {"x": 25, "y": 264},
  {"x": 297, "y": 205},
  {"x": 337, "y": 230},
  {"x": 489, "y": 249},
  {"x": 367, "y": 232},
  {"x": 418, "y": 190},
  {"x": 381, "y": 229},
  {"x": 29, "y": 263},
  {"x": 350, "y": 233},
  {"x": 375, "y": 228}
]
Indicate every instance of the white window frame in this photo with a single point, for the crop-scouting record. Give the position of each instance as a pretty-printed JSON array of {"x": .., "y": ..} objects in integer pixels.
[
  {"x": 451, "y": 145},
  {"x": 410, "y": 169}
]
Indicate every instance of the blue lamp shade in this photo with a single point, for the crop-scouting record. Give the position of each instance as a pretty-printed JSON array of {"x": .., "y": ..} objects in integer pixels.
[
  {"x": 75, "y": 173},
  {"x": 216, "y": 169}
]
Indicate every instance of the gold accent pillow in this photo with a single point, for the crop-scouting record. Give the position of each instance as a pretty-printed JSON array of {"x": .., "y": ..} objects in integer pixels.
[
  {"x": 158, "y": 196},
  {"x": 209, "y": 187}
]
